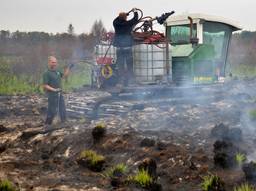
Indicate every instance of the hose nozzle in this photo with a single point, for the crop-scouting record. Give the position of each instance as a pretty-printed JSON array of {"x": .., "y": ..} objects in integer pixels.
[{"x": 163, "y": 17}]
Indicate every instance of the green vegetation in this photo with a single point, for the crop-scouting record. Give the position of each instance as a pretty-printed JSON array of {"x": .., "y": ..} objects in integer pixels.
[
  {"x": 15, "y": 82},
  {"x": 119, "y": 169},
  {"x": 92, "y": 157},
  {"x": 244, "y": 70},
  {"x": 13, "y": 85},
  {"x": 245, "y": 187},
  {"x": 6, "y": 185},
  {"x": 211, "y": 182},
  {"x": 98, "y": 132},
  {"x": 207, "y": 182},
  {"x": 100, "y": 125},
  {"x": 142, "y": 178},
  {"x": 91, "y": 160},
  {"x": 77, "y": 78},
  {"x": 240, "y": 158},
  {"x": 252, "y": 114}
]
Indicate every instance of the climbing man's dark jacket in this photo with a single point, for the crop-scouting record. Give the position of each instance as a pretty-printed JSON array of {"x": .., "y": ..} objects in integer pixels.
[{"x": 123, "y": 29}]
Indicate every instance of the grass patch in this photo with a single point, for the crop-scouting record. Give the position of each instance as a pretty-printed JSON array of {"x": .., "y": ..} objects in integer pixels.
[
  {"x": 142, "y": 178},
  {"x": 212, "y": 182},
  {"x": 92, "y": 157},
  {"x": 245, "y": 187},
  {"x": 6, "y": 185},
  {"x": 91, "y": 160},
  {"x": 244, "y": 70},
  {"x": 240, "y": 158},
  {"x": 100, "y": 125},
  {"x": 13, "y": 85},
  {"x": 98, "y": 132},
  {"x": 118, "y": 170},
  {"x": 252, "y": 114}
]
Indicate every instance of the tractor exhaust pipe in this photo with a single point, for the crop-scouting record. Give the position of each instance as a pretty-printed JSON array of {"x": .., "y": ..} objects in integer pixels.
[
  {"x": 191, "y": 26},
  {"x": 193, "y": 40}
]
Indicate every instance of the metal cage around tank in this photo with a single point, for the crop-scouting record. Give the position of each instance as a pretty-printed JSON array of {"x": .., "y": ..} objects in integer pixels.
[
  {"x": 105, "y": 50},
  {"x": 152, "y": 63}
]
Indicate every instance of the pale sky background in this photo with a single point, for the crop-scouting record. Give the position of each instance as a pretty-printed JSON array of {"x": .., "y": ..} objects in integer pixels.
[{"x": 55, "y": 15}]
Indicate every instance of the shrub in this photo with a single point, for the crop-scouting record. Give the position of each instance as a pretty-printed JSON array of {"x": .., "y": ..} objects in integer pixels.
[
  {"x": 252, "y": 114},
  {"x": 240, "y": 158},
  {"x": 143, "y": 179},
  {"x": 244, "y": 187},
  {"x": 117, "y": 170},
  {"x": 224, "y": 154},
  {"x": 6, "y": 185},
  {"x": 92, "y": 160},
  {"x": 212, "y": 183},
  {"x": 92, "y": 156},
  {"x": 100, "y": 126},
  {"x": 98, "y": 132},
  {"x": 117, "y": 175}
]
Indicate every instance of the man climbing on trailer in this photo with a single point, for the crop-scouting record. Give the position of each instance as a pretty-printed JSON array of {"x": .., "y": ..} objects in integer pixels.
[
  {"x": 123, "y": 40},
  {"x": 52, "y": 85}
]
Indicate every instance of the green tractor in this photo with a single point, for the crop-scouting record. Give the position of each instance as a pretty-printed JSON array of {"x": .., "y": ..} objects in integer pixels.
[{"x": 192, "y": 51}]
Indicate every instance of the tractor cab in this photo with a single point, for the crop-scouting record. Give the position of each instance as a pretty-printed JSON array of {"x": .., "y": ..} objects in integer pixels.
[{"x": 199, "y": 47}]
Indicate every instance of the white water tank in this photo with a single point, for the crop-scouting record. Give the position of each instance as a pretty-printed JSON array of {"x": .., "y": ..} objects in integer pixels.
[
  {"x": 151, "y": 62},
  {"x": 107, "y": 50}
]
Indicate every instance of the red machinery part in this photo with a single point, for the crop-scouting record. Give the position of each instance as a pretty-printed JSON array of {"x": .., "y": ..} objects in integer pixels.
[
  {"x": 155, "y": 38},
  {"x": 104, "y": 60}
]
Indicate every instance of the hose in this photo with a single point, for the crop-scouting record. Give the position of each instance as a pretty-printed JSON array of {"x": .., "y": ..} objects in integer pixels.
[
  {"x": 143, "y": 30},
  {"x": 139, "y": 10}
]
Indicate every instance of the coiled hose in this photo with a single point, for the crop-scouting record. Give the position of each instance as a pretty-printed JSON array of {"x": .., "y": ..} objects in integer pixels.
[{"x": 143, "y": 31}]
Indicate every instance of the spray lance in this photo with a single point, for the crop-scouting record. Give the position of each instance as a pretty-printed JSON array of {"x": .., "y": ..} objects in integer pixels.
[
  {"x": 59, "y": 92},
  {"x": 71, "y": 65},
  {"x": 147, "y": 22},
  {"x": 163, "y": 17}
]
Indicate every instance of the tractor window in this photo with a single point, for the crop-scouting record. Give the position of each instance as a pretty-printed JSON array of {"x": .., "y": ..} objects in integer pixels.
[
  {"x": 217, "y": 35},
  {"x": 180, "y": 34}
]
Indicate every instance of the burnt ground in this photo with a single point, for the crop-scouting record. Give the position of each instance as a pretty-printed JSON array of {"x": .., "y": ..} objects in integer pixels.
[{"x": 183, "y": 146}]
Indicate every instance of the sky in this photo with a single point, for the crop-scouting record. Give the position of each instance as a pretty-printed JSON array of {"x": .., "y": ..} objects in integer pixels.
[{"x": 54, "y": 16}]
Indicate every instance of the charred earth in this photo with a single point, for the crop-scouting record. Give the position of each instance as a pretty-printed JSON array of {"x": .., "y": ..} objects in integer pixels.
[{"x": 174, "y": 135}]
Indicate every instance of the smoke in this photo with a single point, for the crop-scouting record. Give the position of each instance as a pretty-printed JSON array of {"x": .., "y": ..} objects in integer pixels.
[
  {"x": 196, "y": 107},
  {"x": 188, "y": 106}
]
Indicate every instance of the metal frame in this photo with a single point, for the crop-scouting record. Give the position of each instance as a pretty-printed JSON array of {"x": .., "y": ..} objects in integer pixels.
[{"x": 147, "y": 66}]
